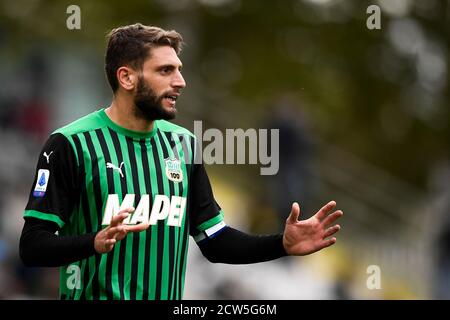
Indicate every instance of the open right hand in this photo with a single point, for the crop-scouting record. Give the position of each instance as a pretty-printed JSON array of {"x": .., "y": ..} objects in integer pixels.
[
  {"x": 107, "y": 238},
  {"x": 311, "y": 235}
]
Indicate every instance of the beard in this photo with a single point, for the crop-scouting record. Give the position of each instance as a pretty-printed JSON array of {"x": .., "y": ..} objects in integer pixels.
[{"x": 149, "y": 104}]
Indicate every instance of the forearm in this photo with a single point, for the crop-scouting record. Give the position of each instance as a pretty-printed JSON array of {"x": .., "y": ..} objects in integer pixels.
[
  {"x": 235, "y": 247},
  {"x": 41, "y": 247}
]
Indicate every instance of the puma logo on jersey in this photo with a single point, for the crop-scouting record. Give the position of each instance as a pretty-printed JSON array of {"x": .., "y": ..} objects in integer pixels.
[
  {"x": 47, "y": 156},
  {"x": 163, "y": 208},
  {"x": 109, "y": 165}
]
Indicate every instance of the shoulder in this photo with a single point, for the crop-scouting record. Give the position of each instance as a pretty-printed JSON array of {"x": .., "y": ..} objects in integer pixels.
[
  {"x": 167, "y": 126},
  {"x": 89, "y": 122},
  {"x": 57, "y": 146}
]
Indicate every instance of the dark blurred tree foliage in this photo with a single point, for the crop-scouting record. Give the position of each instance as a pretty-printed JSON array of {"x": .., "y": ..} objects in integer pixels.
[{"x": 281, "y": 46}]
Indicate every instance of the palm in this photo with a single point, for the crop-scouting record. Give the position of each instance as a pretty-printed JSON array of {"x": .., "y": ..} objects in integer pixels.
[{"x": 308, "y": 236}]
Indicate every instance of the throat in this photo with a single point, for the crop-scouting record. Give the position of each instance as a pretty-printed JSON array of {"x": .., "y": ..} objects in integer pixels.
[{"x": 128, "y": 120}]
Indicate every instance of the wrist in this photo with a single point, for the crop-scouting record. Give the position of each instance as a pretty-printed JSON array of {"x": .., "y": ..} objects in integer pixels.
[
  {"x": 95, "y": 242},
  {"x": 282, "y": 246}
]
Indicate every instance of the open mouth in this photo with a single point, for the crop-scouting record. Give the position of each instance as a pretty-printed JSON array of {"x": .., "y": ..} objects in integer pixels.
[{"x": 172, "y": 98}]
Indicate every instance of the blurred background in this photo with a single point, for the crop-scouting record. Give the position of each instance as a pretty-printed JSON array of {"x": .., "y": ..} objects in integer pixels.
[{"x": 363, "y": 117}]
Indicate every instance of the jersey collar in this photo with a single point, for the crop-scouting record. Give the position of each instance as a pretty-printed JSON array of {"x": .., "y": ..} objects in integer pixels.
[{"x": 125, "y": 131}]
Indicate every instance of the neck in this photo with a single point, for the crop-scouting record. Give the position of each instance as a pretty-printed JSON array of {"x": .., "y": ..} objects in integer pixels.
[{"x": 121, "y": 112}]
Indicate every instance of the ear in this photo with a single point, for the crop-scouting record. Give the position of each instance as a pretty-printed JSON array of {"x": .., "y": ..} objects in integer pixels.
[{"x": 127, "y": 78}]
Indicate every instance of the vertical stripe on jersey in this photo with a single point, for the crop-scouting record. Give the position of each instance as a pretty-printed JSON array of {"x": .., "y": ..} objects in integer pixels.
[
  {"x": 95, "y": 206},
  {"x": 156, "y": 186},
  {"x": 95, "y": 155},
  {"x": 84, "y": 220},
  {"x": 148, "y": 235},
  {"x": 127, "y": 169},
  {"x": 112, "y": 265},
  {"x": 88, "y": 207},
  {"x": 169, "y": 138},
  {"x": 190, "y": 144},
  {"x": 143, "y": 235},
  {"x": 136, "y": 252},
  {"x": 106, "y": 259},
  {"x": 182, "y": 140},
  {"x": 169, "y": 232},
  {"x": 122, "y": 250},
  {"x": 182, "y": 153},
  {"x": 161, "y": 271},
  {"x": 77, "y": 228},
  {"x": 167, "y": 148}
]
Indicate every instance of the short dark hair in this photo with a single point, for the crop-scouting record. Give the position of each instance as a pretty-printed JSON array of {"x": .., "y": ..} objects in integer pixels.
[{"x": 129, "y": 45}]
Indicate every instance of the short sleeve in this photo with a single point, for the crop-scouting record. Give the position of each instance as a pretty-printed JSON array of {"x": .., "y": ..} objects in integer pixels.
[
  {"x": 206, "y": 216},
  {"x": 54, "y": 191}
]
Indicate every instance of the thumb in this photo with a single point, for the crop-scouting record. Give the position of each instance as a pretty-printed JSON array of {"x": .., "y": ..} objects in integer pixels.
[{"x": 295, "y": 213}]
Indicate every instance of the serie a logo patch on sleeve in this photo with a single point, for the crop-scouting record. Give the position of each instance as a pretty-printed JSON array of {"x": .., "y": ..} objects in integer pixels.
[{"x": 41, "y": 183}]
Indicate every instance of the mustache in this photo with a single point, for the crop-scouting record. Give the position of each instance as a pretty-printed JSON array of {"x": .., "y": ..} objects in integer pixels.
[{"x": 170, "y": 93}]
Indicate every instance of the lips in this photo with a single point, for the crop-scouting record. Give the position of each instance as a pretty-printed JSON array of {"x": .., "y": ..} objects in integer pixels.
[
  {"x": 172, "y": 95},
  {"x": 171, "y": 98}
]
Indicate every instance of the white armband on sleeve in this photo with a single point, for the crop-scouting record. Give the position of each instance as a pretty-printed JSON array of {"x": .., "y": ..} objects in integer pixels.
[{"x": 211, "y": 232}]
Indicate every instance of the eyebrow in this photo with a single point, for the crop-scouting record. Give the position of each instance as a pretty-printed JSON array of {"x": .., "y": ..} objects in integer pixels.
[{"x": 168, "y": 65}]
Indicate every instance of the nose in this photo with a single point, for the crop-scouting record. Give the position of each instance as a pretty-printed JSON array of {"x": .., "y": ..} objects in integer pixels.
[{"x": 178, "y": 81}]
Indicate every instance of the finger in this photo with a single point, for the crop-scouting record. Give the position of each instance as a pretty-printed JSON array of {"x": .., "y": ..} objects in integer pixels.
[
  {"x": 328, "y": 242},
  {"x": 108, "y": 247},
  {"x": 109, "y": 244},
  {"x": 295, "y": 213},
  {"x": 332, "y": 230},
  {"x": 110, "y": 241},
  {"x": 121, "y": 234},
  {"x": 121, "y": 216},
  {"x": 137, "y": 228},
  {"x": 127, "y": 210},
  {"x": 118, "y": 219},
  {"x": 332, "y": 217},
  {"x": 111, "y": 232},
  {"x": 325, "y": 209}
]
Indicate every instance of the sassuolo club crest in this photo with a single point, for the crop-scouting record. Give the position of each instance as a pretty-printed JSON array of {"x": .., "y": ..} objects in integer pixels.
[{"x": 173, "y": 170}]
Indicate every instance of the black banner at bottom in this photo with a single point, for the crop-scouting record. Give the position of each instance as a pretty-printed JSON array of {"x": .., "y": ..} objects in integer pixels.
[{"x": 220, "y": 309}]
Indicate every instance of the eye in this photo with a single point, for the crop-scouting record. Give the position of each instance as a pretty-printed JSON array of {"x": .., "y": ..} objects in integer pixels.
[{"x": 165, "y": 70}]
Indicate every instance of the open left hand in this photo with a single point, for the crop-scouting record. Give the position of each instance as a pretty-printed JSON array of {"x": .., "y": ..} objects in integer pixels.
[
  {"x": 311, "y": 235},
  {"x": 106, "y": 238}
]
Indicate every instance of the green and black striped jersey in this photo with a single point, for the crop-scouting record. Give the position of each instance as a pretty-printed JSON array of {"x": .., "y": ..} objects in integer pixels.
[{"x": 91, "y": 169}]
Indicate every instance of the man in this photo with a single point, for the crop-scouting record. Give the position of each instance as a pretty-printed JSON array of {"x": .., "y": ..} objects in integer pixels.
[{"x": 122, "y": 191}]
